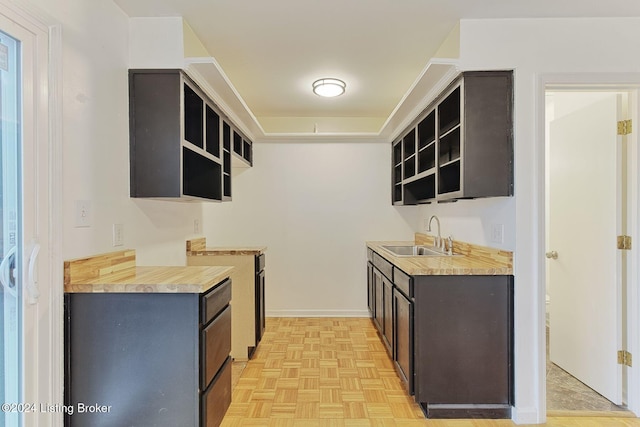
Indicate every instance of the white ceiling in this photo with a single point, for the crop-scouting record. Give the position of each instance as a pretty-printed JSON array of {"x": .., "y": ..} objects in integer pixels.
[{"x": 271, "y": 51}]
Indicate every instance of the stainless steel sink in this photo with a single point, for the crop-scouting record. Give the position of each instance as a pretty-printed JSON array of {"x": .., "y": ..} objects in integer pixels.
[{"x": 415, "y": 250}]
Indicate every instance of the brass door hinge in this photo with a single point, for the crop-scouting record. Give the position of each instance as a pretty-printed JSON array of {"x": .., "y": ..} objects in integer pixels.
[
  {"x": 624, "y": 242},
  {"x": 624, "y": 127},
  {"x": 624, "y": 358}
]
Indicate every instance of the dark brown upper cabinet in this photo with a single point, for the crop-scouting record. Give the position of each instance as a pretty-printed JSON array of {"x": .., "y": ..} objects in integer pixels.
[
  {"x": 180, "y": 143},
  {"x": 461, "y": 146}
]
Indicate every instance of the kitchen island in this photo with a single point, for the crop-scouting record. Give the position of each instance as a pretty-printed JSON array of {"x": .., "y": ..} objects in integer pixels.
[
  {"x": 151, "y": 344},
  {"x": 447, "y": 323}
]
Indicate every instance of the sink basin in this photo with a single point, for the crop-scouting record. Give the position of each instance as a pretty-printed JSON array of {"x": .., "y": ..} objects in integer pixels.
[{"x": 415, "y": 250}]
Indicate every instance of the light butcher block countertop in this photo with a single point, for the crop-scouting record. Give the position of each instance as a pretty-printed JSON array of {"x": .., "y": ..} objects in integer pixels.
[
  {"x": 117, "y": 272},
  {"x": 198, "y": 247},
  {"x": 469, "y": 260}
]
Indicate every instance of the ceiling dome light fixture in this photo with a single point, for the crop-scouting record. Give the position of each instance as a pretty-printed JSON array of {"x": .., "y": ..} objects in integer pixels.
[{"x": 329, "y": 87}]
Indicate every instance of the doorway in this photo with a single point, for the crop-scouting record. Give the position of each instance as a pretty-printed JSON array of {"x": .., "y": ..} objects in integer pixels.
[{"x": 587, "y": 198}]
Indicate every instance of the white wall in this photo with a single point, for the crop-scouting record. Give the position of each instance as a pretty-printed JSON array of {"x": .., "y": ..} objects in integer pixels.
[
  {"x": 313, "y": 204},
  {"x": 96, "y": 140},
  {"x": 473, "y": 220},
  {"x": 539, "y": 49},
  {"x": 156, "y": 42}
]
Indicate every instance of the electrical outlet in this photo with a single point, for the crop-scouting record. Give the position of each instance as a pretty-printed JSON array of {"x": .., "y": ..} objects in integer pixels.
[
  {"x": 426, "y": 224},
  {"x": 196, "y": 226},
  {"x": 497, "y": 233},
  {"x": 118, "y": 234},
  {"x": 83, "y": 214}
]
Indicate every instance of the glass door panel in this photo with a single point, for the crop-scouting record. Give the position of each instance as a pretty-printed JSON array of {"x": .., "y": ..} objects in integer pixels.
[{"x": 10, "y": 239}]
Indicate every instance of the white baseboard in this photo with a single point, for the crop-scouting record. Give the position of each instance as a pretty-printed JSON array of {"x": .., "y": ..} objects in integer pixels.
[
  {"x": 317, "y": 313},
  {"x": 527, "y": 416}
]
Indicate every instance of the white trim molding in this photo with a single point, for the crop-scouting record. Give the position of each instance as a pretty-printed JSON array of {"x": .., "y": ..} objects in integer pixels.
[{"x": 434, "y": 78}]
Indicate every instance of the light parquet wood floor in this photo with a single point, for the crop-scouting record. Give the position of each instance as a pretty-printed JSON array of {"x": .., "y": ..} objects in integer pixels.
[{"x": 335, "y": 372}]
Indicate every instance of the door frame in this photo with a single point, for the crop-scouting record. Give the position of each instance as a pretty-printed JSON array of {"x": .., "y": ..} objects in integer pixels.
[
  {"x": 623, "y": 82},
  {"x": 45, "y": 375}
]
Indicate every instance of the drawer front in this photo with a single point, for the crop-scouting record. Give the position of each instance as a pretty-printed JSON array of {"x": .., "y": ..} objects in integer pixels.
[
  {"x": 214, "y": 301},
  {"x": 369, "y": 255},
  {"x": 215, "y": 346},
  {"x": 260, "y": 262},
  {"x": 383, "y": 265},
  {"x": 403, "y": 282},
  {"x": 217, "y": 398}
]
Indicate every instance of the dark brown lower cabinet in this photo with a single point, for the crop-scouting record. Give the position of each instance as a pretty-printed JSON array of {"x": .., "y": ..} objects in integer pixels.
[
  {"x": 463, "y": 337},
  {"x": 450, "y": 338},
  {"x": 152, "y": 358}
]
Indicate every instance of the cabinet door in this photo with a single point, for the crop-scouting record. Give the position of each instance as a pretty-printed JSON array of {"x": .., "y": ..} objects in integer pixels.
[
  {"x": 403, "y": 333},
  {"x": 463, "y": 328},
  {"x": 378, "y": 310},
  {"x": 260, "y": 306},
  {"x": 387, "y": 288},
  {"x": 370, "y": 289}
]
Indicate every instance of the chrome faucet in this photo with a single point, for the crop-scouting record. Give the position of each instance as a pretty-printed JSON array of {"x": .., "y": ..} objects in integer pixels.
[{"x": 438, "y": 240}]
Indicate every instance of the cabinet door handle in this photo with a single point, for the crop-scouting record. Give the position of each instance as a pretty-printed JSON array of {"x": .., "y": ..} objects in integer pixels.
[{"x": 552, "y": 255}]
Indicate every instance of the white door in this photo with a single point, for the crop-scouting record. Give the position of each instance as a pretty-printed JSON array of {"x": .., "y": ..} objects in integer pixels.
[
  {"x": 584, "y": 279},
  {"x": 25, "y": 271}
]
